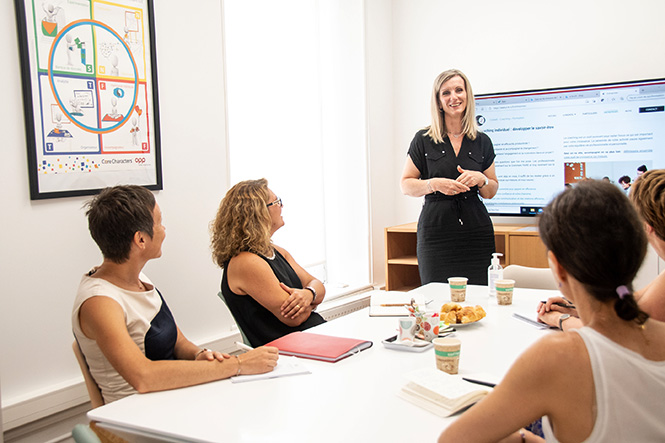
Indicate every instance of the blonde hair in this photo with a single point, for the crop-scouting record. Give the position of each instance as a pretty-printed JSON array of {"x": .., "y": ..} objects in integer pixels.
[
  {"x": 648, "y": 196},
  {"x": 438, "y": 129},
  {"x": 242, "y": 222}
]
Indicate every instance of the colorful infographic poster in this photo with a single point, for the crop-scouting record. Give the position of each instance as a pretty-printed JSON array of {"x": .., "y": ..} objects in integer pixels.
[{"x": 91, "y": 102}]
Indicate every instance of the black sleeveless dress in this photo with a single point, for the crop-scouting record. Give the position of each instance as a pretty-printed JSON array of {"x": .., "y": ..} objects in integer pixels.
[
  {"x": 259, "y": 324},
  {"x": 455, "y": 233}
]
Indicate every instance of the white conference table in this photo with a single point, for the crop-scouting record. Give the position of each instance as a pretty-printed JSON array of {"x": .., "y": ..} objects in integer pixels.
[{"x": 353, "y": 400}]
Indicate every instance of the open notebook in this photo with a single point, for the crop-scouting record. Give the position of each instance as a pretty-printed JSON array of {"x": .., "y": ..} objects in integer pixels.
[
  {"x": 439, "y": 392},
  {"x": 391, "y": 303}
]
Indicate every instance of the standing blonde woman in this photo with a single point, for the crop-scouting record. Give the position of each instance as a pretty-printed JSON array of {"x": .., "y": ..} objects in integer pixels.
[
  {"x": 451, "y": 163},
  {"x": 266, "y": 290}
]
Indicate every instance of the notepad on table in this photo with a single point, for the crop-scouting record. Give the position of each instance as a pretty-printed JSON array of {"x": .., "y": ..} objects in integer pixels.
[
  {"x": 441, "y": 393},
  {"x": 318, "y": 346},
  {"x": 532, "y": 320},
  {"x": 286, "y": 366},
  {"x": 392, "y": 303}
]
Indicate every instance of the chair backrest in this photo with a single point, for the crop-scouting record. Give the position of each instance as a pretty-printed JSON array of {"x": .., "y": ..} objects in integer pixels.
[
  {"x": 94, "y": 392},
  {"x": 242, "y": 334},
  {"x": 83, "y": 434},
  {"x": 527, "y": 277}
]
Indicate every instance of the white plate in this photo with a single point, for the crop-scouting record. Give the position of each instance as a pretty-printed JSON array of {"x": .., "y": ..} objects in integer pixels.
[
  {"x": 462, "y": 325},
  {"x": 422, "y": 345}
]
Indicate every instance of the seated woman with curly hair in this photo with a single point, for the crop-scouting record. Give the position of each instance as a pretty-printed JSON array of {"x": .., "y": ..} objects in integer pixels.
[{"x": 267, "y": 291}]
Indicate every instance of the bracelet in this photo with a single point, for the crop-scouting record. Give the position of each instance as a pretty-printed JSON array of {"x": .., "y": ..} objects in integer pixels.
[
  {"x": 200, "y": 352},
  {"x": 313, "y": 291},
  {"x": 239, "y": 365},
  {"x": 429, "y": 187}
]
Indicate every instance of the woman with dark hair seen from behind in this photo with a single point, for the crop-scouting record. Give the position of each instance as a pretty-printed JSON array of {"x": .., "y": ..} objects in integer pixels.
[
  {"x": 605, "y": 381},
  {"x": 121, "y": 322},
  {"x": 266, "y": 290},
  {"x": 648, "y": 196},
  {"x": 451, "y": 163}
]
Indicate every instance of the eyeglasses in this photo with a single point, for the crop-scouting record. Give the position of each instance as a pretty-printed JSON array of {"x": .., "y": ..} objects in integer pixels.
[{"x": 276, "y": 202}]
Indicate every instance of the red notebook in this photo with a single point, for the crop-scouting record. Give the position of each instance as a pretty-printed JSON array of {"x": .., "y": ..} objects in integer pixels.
[{"x": 319, "y": 347}]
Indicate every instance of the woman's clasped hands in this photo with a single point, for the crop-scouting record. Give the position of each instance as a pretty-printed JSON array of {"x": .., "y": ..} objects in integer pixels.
[
  {"x": 447, "y": 186},
  {"x": 461, "y": 184},
  {"x": 470, "y": 178}
]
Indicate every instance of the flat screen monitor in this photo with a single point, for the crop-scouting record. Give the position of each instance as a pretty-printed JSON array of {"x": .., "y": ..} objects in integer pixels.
[{"x": 548, "y": 139}]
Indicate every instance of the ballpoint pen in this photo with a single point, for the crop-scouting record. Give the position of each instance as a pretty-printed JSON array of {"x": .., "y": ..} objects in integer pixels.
[
  {"x": 479, "y": 382},
  {"x": 562, "y": 305}
]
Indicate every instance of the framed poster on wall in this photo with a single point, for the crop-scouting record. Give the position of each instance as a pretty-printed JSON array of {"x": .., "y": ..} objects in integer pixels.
[{"x": 90, "y": 95}]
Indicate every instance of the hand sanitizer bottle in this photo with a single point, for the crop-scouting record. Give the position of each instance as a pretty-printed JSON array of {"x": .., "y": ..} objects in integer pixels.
[{"x": 494, "y": 273}]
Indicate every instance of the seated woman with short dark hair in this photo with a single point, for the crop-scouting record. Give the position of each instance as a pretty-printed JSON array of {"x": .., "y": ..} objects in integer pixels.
[
  {"x": 121, "y": 322},
  {"x": 266, "y": 290}
]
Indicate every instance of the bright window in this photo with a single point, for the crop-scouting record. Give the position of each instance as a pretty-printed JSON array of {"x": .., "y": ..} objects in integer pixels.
[{"x": 296, "y": 116}]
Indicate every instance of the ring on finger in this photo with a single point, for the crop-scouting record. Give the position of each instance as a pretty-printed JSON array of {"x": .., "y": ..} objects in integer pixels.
[{"x": 298, "y": 306}]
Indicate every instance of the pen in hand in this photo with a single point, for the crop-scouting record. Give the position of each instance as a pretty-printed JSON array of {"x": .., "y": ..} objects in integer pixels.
[{"x": 561, "y": 305}]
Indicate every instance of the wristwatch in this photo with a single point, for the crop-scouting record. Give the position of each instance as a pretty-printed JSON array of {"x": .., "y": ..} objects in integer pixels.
[
  {"x": 313, "y": 291},
  {"x": 563, "y": 318},
  {"x": 487, "y": 180}
]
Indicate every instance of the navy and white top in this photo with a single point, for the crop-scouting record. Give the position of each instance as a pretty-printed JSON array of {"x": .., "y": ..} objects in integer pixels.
[
  {"x": 259, "y": 324},
  {"x": 149, "y": 322}
]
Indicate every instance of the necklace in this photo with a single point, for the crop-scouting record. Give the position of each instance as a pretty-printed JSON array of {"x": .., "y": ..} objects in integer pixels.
[{"x": 456, "y": 135}]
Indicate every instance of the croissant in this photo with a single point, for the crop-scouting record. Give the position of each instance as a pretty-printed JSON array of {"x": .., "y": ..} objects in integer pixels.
[
  {"x": 449, "y": 317},
  {"x": 450, "y": 307},
  {"x": 453, "y": 313}
]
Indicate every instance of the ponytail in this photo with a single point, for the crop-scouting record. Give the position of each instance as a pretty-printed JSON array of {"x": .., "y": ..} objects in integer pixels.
[{"x": 626, "y": 306}]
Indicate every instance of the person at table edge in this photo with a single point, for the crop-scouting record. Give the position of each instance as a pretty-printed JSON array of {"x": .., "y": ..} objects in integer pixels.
[
  {"x": 648, "y": 196},
  {"x": 605, "y": 381}
]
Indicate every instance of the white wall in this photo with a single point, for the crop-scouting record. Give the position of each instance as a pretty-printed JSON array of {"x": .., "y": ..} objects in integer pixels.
[
  {"x": 515, "y": 45},
  {"x": 45, "y": 244}
]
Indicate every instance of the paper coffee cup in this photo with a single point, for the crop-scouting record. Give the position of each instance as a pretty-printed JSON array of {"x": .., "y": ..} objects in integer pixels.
[
  {"x": 447, "y": 352},
  {"x": 504, "y": 291},
  {"x": 457, "y": 288}
]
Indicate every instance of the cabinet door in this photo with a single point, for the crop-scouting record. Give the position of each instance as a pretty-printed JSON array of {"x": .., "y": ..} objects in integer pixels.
[{"x": 528, "y": 250}]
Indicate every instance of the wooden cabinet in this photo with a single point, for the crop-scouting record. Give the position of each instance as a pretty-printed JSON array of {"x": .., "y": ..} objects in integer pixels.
[{"x": 519, "y": 244}]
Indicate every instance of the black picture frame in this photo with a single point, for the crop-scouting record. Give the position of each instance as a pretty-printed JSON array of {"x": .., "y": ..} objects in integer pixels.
[{"x": 91, "y": 105}]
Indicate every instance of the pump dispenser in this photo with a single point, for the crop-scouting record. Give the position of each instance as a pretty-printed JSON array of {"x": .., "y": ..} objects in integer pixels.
[{"x": 494, "y": 273}]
